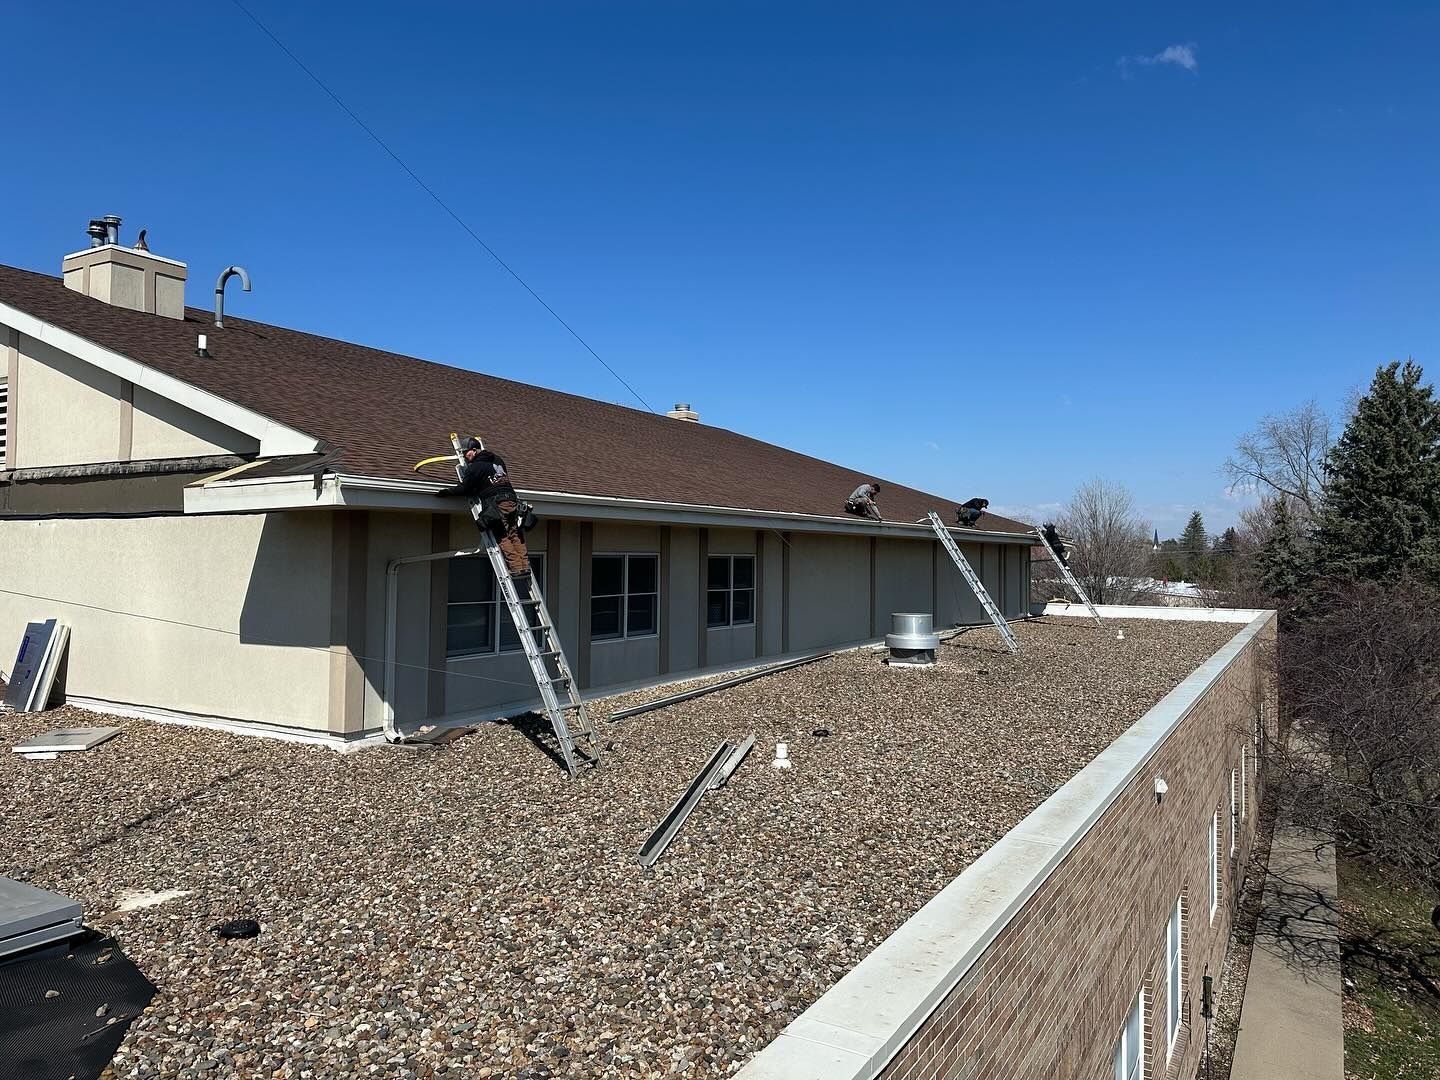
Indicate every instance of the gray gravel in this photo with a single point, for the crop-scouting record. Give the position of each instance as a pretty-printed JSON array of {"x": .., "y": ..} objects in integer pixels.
[{"x": 469, "y": 912}]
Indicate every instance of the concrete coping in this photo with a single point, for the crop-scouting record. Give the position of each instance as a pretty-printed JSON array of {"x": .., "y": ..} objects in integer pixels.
[{"x": 858, "y": 1025}]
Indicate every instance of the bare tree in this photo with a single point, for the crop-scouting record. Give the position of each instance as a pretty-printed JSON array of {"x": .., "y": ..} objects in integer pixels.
[
  {"x": 1111, "y": 555},
  {"x": 1285, "y": 455},
  {"x": 1361, "y": 685}
]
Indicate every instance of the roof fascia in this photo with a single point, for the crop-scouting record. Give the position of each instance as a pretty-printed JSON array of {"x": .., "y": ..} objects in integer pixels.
[
  {"x": 376, "y": 493},
  {"x": 275, "y": 438}
]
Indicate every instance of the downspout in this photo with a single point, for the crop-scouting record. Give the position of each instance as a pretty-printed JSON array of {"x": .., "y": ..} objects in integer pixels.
[{"x": 392, "y": 602}]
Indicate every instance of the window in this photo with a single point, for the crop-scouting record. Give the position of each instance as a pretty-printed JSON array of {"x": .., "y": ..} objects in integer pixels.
[
  {"x": 476, "y": 622},
  {"x": 4, "y": 418},
  {"x": 1173, "y": 975},
  {"x": 1129, "y": 1048},
  {"x": 1214, "y": 864},
  {"x": 624, "y": 596},
  {"x": 1244, "y": 807},
  {"x": 730, "y": 591},
  {"x": 1234, "y": 806}
]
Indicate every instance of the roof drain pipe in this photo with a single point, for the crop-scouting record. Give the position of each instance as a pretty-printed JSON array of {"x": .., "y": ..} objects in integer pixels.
[
  {"x": 392, "y": 608},
  {"x": 225, "y": 276}
]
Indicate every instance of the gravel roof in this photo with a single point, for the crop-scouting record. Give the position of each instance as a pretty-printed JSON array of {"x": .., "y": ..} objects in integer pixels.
[{"x": 469, "y": 912}]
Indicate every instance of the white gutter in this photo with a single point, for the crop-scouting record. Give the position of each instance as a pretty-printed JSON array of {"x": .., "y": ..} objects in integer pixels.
[
  {"x": 377, "y": 493},
  {"x": 392, "y": 602},
  {"x": 275, "y": 438}
]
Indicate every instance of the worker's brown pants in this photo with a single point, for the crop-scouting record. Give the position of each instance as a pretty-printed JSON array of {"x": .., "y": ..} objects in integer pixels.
[{"x": 501, "y": 520}]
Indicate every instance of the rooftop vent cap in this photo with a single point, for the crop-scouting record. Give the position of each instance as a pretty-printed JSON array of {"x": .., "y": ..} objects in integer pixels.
[
  {"x": 912, "y": 639},
  {"x": 682, "y": 411}
]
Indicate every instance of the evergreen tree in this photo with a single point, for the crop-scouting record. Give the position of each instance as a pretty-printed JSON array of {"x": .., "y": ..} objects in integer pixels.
[
  {"x": 1280, "y": 560},
  {"x": 1193, "y": 544},
  {"x": 1381, "y": 513}
]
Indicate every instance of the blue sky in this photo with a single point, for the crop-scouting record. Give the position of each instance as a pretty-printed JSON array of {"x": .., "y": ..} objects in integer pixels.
[{"x": 990, "y": 249}]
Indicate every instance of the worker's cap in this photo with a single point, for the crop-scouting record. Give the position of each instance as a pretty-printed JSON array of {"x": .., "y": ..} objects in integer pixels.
[{"x": 473, "y": 443}]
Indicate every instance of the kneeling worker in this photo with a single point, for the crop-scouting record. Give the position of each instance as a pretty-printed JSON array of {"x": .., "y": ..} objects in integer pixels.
[
  {"x": 861, "y": 502},
  {"x": 969, "y": 512},
  {"x": 484, "y": 477}
]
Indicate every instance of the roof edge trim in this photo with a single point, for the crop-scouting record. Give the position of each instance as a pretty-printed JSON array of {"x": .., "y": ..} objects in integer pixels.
[
  {"x": 275, "y": 438},
  {"x": 377, "y": 493}
]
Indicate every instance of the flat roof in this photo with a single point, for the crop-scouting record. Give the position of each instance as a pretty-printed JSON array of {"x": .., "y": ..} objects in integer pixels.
[{"x": 470, "y": 907}]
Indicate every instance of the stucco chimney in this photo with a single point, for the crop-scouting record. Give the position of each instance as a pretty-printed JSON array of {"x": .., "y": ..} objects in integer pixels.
[
  {"x": 682, "y": 411},
  {"x": 125, "y": 277}
]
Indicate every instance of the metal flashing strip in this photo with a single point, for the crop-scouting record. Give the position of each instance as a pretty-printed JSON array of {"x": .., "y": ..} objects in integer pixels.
[
  {"x": 731, "y": 763},
  {"x": 724, "y": 684},
  {"x": 670, "y": 824},
  {"x": 857, "y": 1026}
]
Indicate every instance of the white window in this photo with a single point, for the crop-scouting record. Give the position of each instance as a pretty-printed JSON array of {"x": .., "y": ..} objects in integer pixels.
[
  {"x": 1130, "y": 1047},
  {"x": 1173, "y": 975},
  {"x": 730, "y": 591},
  {"x": 624, "y": 596},
  {"x": 1214, "y": 864},
  {"x": 476, "y": 622},
  {"x": 1244, "y": 778},
  {"x": 4, "y": 418},
  {"x": 1234, "y": 807}
]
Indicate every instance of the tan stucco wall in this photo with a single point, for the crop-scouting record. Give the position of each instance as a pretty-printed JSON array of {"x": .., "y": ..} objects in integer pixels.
[
  {"x": 829, "y": 590},
  {"x": 902, "y": 580},
  {"x": 163, "y": 429},
  {"x": 67, "y": 412},
  {"x": 215, "y": 616}
]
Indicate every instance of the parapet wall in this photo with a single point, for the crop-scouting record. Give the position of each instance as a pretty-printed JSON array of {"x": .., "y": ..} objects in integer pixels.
[{"x": 1027, "y": 964}]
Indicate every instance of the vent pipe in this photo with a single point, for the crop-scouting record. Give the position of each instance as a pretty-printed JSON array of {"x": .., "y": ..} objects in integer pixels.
[
  {"x": 682, "y": 411},
  {"x": 226, "y": 275}
]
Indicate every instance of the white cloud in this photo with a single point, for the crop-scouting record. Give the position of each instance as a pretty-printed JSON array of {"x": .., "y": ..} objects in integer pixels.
[
  {"x": 1182, "y": 56},
  {"x": 935, "y": 446}
]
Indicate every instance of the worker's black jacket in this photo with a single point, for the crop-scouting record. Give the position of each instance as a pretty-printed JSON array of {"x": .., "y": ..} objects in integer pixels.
[{"x": 483, "y": 477}]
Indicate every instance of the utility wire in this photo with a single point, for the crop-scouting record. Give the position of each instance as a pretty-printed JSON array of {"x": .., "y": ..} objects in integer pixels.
[
  {"x": 438, "y": 201},
  {"x": 258, "y": 640}
]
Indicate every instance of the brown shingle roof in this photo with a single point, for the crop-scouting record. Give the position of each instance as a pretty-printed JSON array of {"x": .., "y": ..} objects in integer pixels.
[{"x": 386, "y": 411}]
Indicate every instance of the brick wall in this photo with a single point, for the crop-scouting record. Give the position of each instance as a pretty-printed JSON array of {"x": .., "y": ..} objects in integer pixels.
[{"x": 1048, "y": 998}]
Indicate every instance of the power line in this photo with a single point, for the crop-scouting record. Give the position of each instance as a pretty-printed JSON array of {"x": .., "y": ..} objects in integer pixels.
[
  {"x": 438, "y": 201},
  {"x": 276, "y": 642}
]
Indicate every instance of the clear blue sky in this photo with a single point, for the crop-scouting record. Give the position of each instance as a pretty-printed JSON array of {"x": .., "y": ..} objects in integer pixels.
[{"x": 985, "y": 249}]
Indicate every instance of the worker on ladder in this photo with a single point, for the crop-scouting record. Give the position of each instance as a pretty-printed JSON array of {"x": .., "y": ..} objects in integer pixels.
[
  {"x": 1056, "y": 544},
  {"x": 862, "y": 503},
  {"x": 968, "y": 512},
  {"x": 484, "y": 477}
]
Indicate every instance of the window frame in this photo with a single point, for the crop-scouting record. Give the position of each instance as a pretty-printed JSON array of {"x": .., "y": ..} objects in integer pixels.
[
  {"x": 730, "y": 590},
  {"x": 1244, "y": 780},
  {"x": 1234, "y": 809},
  {"x": 1122, "y": 1044},
  {"x": 498, "y": 612},
  {"x": 5, "y": 403},
  {"x": 1214, "y": 864},
  {"x": 1174, "y": 975},
  {"x": 624, "y": 596}
]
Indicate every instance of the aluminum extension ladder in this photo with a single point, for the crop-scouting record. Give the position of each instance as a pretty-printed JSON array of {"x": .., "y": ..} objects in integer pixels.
[
  {"x": 1070, "y": 578},
  {"x": 973, "y": 580},
  {"x": 536, "y": 630}
]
